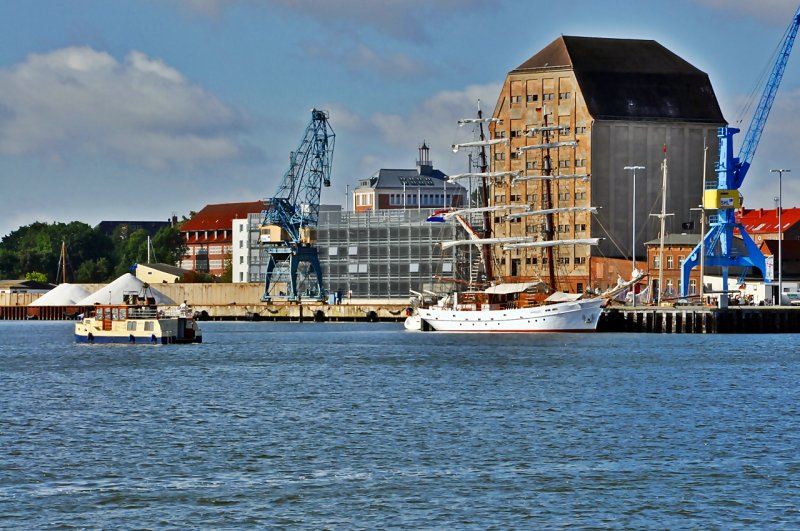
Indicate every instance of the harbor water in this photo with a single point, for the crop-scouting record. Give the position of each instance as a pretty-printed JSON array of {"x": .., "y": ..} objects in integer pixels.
[{"x": 367, "y": 426}]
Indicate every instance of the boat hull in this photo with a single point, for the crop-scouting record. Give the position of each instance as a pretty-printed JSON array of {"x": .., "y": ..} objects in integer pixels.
[{"x": 574, "y": 316}]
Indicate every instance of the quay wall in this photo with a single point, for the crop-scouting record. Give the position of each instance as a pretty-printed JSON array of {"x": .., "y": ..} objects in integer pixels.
[
  {"x": 702, "y": 320},
  {"x": 242, "y": 301}
]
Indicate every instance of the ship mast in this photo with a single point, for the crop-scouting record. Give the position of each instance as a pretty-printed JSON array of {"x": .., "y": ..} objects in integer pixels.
[
  {"x": 547, "y": 202},
  {"x": 487, "y": 217},
  {"x": 61, "y": 274}
]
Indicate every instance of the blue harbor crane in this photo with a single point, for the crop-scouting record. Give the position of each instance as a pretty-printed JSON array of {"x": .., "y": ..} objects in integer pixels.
[
  {"x": 288, "y": 229},
  {"x": 731, "y": 171}
]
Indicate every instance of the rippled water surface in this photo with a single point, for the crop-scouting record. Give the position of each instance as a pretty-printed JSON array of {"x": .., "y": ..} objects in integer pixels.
[{"x": 349, "y": 426}]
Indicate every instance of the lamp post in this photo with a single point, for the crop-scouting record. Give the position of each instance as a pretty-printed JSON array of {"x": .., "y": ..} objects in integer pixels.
[
  {"x": 633, "y": 216},
  {"x": 780, "y": 233}
]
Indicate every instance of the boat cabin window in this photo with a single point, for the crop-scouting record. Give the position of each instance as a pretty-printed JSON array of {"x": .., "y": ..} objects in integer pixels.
[
  {"x": 132, "y": 326},
  {"x": 148, "y": 326}
]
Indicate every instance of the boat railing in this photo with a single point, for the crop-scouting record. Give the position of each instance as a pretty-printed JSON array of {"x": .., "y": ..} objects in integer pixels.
[
  {"x": 178, "y": 312},
  {"x": 143, "y": 312}
]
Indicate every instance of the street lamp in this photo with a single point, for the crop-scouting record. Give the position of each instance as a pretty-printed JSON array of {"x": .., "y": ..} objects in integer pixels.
[
  {"x": 780, "y": 233},
  {"x": 633, "y": 215}
]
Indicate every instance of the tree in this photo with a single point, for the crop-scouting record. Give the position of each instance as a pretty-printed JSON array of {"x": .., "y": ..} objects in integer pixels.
[
  {"x": 131, "y": 248},
  {"x": 169, "y": 245},
  {"x": 37, "y": 247},
  {"x": 227, "y": 272},
  {"x": 36, "y": 276},
  {"x": 94, "y": 271}
]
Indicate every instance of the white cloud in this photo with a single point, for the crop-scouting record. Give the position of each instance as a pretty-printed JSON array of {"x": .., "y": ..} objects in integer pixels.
[
  {"x": 435, "y": 120},
  {"x": 77, "y": 102},
  {"x": 383, "y": 140}
]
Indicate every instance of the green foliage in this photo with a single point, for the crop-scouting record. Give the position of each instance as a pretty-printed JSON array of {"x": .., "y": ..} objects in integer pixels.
[
  {"x": 130, "y": 248},
  {"x": 198, "y": 277},
  {"x": 227, "y": 271},
  {"x": 169, "y": 246},
  {"x": 94, "y": 271},
  {"x": 37, "y": 247},
  {"x": 36, "y": 276},
  {"x": 91, "y": 255}
]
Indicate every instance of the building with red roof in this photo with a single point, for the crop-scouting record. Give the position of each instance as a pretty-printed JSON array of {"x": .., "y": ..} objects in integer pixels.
[
  {"x": 762, "y": 224},
  {"x": 209, "y": 235}
]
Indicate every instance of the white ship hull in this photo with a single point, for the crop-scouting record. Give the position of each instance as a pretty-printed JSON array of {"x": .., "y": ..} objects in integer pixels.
[{"x": 575, "y": 316}]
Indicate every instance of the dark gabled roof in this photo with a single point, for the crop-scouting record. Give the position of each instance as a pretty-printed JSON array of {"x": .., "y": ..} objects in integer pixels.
[
  {"x": 25, "y": 284},
  {"x": 677, "y": 239},
  {"x": 221, "y": 216},
  {"x": 631, "y": 79}
]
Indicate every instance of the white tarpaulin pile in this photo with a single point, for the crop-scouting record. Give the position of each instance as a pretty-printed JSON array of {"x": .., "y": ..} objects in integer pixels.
[
  {"x": 61, "y": 295},
  {"x": 115, "y": 292}
]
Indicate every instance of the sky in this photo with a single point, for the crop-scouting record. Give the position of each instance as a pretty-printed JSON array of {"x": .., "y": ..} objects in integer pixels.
[{"x": 145, "y": 109}]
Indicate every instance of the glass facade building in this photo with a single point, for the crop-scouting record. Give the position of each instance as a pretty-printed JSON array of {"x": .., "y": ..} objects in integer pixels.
[{"x": 376, "y": 254}]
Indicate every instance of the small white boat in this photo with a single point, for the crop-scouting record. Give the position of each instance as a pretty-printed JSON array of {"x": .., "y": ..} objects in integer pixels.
[{"x": 139, "y": 323}]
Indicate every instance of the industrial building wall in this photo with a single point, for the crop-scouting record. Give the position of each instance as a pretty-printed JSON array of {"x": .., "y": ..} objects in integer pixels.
[
  {"x": 383, "y": 254},
  {"x": 376, "y": 254},
  {"x": 616, "y": 144}
]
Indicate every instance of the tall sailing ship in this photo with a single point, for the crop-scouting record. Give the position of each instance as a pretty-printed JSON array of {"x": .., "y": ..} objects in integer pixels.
[{"x": 513, "y": 306}]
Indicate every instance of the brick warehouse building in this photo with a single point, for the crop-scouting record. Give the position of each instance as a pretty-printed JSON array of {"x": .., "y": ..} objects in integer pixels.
[
  {"x": 209, "y": 235},
  {"x": 622, "y": 101}
]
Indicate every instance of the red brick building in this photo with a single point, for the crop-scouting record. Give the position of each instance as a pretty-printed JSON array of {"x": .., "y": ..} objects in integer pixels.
[
  {"x": 676, "y": 248},
  {"x": 209, "y": 235}
]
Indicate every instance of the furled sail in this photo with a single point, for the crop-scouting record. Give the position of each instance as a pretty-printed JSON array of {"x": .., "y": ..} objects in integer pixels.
[
  {"x": 549, "y": 243},
  {"x": 489, "y": 174},
  {"x": 559, "y": 210},
  {"x": 549, "y": 145},
  {"x": 478, "y": 121},
  {"x": 520, "y": 178},
  {"x": 480, "y": 143},
  {"x": 488, "y": 241},
  {"x": 462, "y": 211}
]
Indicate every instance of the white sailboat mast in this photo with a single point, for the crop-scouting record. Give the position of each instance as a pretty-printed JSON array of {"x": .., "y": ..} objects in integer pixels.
[{"x": 663, "y": 217}]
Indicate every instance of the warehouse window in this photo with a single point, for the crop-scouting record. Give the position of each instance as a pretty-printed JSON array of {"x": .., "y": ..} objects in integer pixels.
[
  {"x": 532, "y": 98},
  {"x": 516, "y": 99},
  {"x": 547, "y": 97},
  {"x": 531, "y": 165},
  {"x": 563, "y": 95}
]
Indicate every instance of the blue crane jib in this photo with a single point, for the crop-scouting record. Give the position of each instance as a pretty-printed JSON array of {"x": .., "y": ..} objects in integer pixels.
[
  {"x": 293, "y": 212},
  {"x": 731, "y": 172}
]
